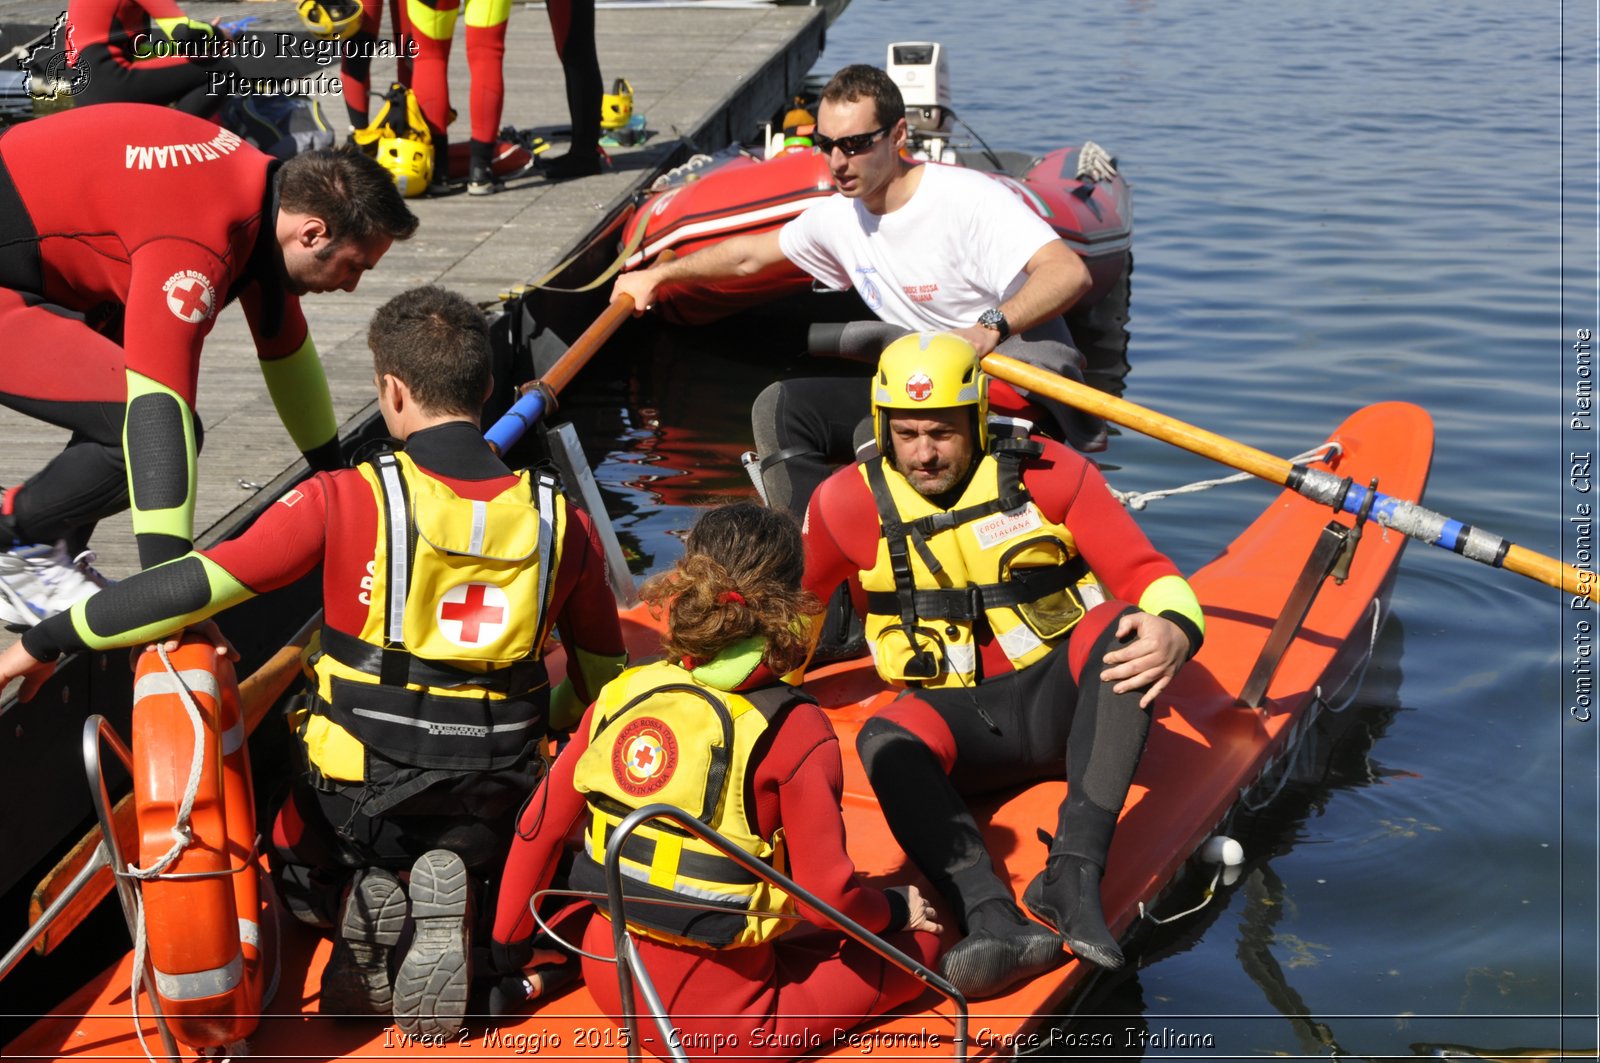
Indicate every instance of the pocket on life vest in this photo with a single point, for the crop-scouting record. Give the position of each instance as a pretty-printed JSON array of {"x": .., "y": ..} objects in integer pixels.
[
  {"x": 1044, "y": 563},
  {"x": 903, "y": 659}
]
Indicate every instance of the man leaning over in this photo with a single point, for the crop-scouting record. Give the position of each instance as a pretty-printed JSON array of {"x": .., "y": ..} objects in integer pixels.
[{"x": 124, "y": 231}]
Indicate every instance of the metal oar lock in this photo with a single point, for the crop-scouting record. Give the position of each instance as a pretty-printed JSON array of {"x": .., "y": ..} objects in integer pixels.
[
  {"x": 1341, "y": 568},
  {"x": 1330, "y": 557}
]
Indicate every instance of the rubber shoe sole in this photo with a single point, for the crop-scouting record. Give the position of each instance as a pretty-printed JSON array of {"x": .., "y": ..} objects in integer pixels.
[
  {"x": 430, "y": 989},
  {"x": 982, "y": 965},
  {"x": 371, "y": 920}
]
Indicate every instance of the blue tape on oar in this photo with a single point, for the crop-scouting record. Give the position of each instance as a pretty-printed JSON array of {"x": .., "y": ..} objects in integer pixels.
[
  {"x": 1408, "y": 518},
  {"x": 523, "y": 415}
]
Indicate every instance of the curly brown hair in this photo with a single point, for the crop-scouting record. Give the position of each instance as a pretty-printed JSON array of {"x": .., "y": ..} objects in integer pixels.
[{"x": 739, "y": 577}]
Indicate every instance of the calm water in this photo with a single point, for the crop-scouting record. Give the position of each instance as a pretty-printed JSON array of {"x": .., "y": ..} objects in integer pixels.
[{"x": 1336, "y": 204}]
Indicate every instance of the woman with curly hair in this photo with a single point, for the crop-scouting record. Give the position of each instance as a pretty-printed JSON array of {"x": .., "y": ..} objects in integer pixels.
[{"x": 712, "y": 730}]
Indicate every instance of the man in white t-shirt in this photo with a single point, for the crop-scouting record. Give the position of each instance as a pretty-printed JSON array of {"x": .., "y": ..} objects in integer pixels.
[{"x": 927, "y": 247}]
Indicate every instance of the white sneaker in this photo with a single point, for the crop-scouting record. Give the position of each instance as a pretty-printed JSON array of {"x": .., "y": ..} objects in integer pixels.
[{"x": 39, "y": 581}]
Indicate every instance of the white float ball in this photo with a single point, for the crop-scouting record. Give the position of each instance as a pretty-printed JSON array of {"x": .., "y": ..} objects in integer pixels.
[{"x": 1222, "y": 850}]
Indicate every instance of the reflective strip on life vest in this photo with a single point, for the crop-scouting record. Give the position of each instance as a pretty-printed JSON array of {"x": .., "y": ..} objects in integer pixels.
[
  {"x": 436, "y": 728},
  {"x": 547, "y": 544},
  {"x": 480, "y": 523},
  {"x": 394, "y": 496}
]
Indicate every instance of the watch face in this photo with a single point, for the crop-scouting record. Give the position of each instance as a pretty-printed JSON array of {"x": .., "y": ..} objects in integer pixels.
[{"x": 993, "y": 319}]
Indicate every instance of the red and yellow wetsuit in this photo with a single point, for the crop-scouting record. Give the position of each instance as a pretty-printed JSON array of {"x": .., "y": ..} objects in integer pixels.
[
  {"x": 985, "y": 723},
  {"x": 332, "y": 519},
  {"x": 123, "y": 47},
  {"x": 108, "y": 289},
  {"x": 434, "y": 24},
  {"x": 355, "y": 69}
]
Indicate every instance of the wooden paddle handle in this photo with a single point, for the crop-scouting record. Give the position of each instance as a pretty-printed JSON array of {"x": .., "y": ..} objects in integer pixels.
[
  {"x": 593, "y": 338},
  {"x": 1524, "y": 562},
  {"x": 257, "y": 694},
  {"x": 1130, "y": 415}
]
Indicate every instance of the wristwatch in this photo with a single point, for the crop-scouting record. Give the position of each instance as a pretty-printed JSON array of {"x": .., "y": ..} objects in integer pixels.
[{"x": 993, "y": 320}]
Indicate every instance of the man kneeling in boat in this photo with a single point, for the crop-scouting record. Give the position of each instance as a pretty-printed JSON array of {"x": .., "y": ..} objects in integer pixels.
[
  {"x": 1032, "y": 621},
  {"x": 443, "y": 573}
]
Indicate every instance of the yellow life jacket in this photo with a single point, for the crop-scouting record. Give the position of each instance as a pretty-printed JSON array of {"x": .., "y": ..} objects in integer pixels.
[
  {"x": 993, "y": 555},
  {"x": 447, "y": 671},
  {"x": 660, "y": 735}
]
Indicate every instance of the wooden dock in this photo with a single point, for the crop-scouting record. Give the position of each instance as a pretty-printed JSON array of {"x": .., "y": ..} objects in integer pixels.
[{"x": 703, "y": 76}]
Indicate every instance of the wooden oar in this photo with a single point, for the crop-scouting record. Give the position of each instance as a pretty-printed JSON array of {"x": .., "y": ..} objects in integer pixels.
[
  {"x": 258, "y": 692},
  {"x": 539, "y": 393},
  {"x": 1413, "y": 520}
]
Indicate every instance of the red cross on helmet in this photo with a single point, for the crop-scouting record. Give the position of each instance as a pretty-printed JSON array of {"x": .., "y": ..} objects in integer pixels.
[{"x": 927, "y": 371}]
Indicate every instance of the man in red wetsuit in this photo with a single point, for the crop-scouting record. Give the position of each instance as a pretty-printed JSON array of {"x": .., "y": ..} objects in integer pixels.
[
  {"x": 124, "y": 231},
  {"x": 148, "y": 51},
  {"x": 1032, "y": 624},
  {"x": 423, "y": 766}
]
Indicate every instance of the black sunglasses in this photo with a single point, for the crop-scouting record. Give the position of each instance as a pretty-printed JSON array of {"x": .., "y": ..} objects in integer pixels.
[{"x": 852, "y": 145}]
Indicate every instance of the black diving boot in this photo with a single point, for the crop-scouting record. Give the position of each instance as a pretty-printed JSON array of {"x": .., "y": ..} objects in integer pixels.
[
  {"x": 1066, "y": 894},
  {"x": 1002, "y": 947}
]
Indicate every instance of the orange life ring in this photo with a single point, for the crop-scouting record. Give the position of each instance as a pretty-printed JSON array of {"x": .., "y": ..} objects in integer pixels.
[{"x": 203, "y": 932}]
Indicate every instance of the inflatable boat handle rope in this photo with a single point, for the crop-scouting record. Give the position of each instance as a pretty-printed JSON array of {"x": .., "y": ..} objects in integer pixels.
[
  {"x": 1139, "y": 499},
  {"x": 182, "y": 835}
]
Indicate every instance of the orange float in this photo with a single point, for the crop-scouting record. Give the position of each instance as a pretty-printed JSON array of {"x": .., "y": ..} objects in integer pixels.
[{"x": 202, "y": 913}]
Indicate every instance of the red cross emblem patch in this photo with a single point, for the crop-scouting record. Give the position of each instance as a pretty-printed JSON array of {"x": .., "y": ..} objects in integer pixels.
[
  {"x": 473, "y": 614},
  {"x": 645, "y": 756},
  {"x": 189, "y": 296},
  {"x": 919, "y": 387}
]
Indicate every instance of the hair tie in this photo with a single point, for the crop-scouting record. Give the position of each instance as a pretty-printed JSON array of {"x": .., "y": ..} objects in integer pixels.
[{"x": 731, "y": 596}]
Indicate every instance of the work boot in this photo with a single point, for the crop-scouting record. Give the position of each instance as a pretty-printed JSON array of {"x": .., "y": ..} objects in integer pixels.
[
  {"x": 1002, "y": 947},
  {"x": 1066, "y": 894},
  {"x": 430, "y": 989},
  {"x": 356, "y": 980}
]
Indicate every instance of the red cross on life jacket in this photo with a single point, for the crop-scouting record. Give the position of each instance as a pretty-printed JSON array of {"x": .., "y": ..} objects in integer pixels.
[{"x": 473, "y": 614}]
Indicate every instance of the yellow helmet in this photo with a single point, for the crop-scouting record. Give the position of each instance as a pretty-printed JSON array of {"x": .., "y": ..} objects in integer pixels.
[
  {"x": 409, "y": 162},
  {"x": 928, "y": 371},
  {"x": 616, "y": 106},
  {"x": 331, "y": 20}
]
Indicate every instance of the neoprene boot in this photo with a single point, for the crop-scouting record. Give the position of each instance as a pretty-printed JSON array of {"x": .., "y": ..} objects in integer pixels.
[
  {"x": 1066, "y": 894},
  {"x": 481, "y": 180},
  {"x": 1002, "y": 947}
]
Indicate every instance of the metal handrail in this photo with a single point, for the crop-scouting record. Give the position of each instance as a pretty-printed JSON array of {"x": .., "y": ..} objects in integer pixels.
[
  {"x": 630, "y": 966},
  {"x": 95, "y": 729}
]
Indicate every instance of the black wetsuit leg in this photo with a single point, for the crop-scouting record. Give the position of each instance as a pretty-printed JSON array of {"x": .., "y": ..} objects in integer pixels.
[
  {"x": 803, "y": 429},
  {"x": 188, "y": 86},
  {"x": 572, "y": 23}
]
